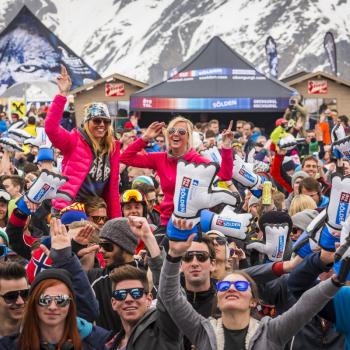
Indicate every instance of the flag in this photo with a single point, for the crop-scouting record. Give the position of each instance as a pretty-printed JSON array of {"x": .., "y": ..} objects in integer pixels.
[
  {"x": 329, "y": 46},
  {"x": 272, "y": 57}
]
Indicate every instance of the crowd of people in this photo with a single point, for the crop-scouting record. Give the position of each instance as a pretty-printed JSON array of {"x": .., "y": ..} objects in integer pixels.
[{"x": 175, "y": 236}]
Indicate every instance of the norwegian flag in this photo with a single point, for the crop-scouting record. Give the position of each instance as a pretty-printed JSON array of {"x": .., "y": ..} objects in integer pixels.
[{"x": 37, "y": 263}]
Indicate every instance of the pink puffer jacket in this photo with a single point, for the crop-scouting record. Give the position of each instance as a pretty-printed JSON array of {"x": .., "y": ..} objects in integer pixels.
[{"x": 77, "y": 159}]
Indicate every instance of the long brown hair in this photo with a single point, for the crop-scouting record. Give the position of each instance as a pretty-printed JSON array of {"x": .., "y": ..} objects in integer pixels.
[
  {"x": 107, "y": 143},
  {"x": 29, "y": 338}
]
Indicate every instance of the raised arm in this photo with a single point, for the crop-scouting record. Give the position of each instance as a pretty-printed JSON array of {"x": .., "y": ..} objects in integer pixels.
[
  {"x": 60, "y": 138},
  {"x": 131, "y": 157}
]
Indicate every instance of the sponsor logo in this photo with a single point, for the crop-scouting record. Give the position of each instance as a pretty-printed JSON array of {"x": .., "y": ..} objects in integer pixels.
[
  {"x": 279, "y": 250},
  {"x": 224, "y": 222},
  {"x": 225, "y": 103},
  {"x": 182, "y": 205},
  {"x": 147, "y": 103},
  {"x": 195, "y": 182},
  {"x": 342, "y": 207},
  {"x": 246, "y": 174},
  {"x": 42, "y": 192}
]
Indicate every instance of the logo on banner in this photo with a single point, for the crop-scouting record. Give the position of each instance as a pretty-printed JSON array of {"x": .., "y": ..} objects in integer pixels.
[
  {"x": 317, "y": 87},
  {"x": 113, "y": 89},
  {"x": 343, "y": 207},
  {"x": 228, "y": 223},
  {"x": 147, "y": 103},
  {"x": 186, "y": 183},
  {"x": 46, "y": 188}
]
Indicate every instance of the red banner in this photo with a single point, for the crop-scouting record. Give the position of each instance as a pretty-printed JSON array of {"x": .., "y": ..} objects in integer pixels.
[
  {"x": 315, "y": 87},
  {"x": 113, "y": 89}
]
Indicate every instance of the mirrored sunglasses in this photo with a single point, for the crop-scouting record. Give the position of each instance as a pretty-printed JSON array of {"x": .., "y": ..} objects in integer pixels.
[
  {"x": 121, "y": 294},
  {"x": 11, "y": 297},
  {"x": 99, "y": 121},
  {"x": 200, "y": 256},
  {"x": 240, "y": 286},
  {"x": 180, "y": 131},
  {"x": 60, "y": 300}
]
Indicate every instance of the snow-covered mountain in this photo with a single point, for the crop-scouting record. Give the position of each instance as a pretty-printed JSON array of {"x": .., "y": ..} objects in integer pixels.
[{"x": 143, "y": 38}]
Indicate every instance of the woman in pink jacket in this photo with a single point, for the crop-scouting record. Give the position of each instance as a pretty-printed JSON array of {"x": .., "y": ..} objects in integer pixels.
[
  {"x": 179, "y": 144},
  {"x": 90, "y": 153}
]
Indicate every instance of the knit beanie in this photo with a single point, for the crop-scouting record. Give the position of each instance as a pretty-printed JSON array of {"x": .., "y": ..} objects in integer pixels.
[
  {"x": 253, "y": 200},
  {"x": 298, "y": 174},
  {"x": 57, "y": 274},
  {"x": 302, "y": 219},
  {"x": 118, "y": 232},
  {"x": 72, "y": 213},
  {"x": 275, "y": 218}
]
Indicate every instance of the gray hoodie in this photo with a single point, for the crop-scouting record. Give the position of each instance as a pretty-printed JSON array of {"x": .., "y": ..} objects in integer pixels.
[{"x": 269, "y": 333}]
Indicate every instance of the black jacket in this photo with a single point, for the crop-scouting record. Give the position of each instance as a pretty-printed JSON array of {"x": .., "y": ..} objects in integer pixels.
[{"x": 155, "y": 330}]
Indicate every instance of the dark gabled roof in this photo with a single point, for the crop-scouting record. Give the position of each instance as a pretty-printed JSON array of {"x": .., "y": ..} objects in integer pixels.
[{"x": 215, "y": 78}]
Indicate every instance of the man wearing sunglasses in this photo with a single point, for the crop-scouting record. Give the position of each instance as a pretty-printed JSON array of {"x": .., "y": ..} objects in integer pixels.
[{"x": 14, "y": 291}]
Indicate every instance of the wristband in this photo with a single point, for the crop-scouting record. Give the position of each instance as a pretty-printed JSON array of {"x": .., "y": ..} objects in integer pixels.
[{"x": 173, "y": 259}]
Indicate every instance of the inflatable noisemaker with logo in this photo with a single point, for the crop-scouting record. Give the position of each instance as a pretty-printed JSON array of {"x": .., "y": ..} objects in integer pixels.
[
  {"x": 276, "y": 227},
  {"x": 46, "y": 186},
  {"x": 340, "y": 142},
  {"x": 337, "y": 212},
  {"x": 194, "y": 191}
]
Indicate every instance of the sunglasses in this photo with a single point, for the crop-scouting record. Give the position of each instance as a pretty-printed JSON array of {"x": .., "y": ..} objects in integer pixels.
[
  {"x": 200, "y": 256},
  {"x": 121, "y": 294},
  {"x": 180, "y": 131},
  {"x": 240, "y": 286},
  {"x": 134, "y": 195},
  {"x": 96, "y": 219},
  {"x": 99, "y": 121},
  {"x": 11, "y": 297},
  {"x": 107, "y": 246},
  {"x": 60, "y": 300},
  {"x": 151, "y": 201},
  {"x": 219, "y": 240}
]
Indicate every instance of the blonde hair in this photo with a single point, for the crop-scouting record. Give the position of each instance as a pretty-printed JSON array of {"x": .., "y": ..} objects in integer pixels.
[
  {"x": 107, "y": 143},
  {"x": 189, "y": 127},
  {"x": 301, "y": 202}
]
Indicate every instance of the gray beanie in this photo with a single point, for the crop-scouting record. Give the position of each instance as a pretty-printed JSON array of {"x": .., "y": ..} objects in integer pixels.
[
  {"x": 253, "y": 200},
  {"x": 302, "y": 219},
  {"x": 298, "y": 174},
  {"x": 118, "y": 232}
]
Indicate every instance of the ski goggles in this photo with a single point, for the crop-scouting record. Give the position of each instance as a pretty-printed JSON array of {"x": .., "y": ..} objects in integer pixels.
[
  {"x": 60, "y": 300},
  {"x": 11, "y": 297},
  {"x": 180, "y": 131},
  {"x": 200, "y": 256},
  {"x": 121, "y": 294},
  {"x": 132, "y": 195},
  {"x": 240, "y": 286}
]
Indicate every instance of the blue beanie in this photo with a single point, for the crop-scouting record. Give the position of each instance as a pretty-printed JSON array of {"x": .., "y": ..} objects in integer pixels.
[{"x": 72, "y": 213}]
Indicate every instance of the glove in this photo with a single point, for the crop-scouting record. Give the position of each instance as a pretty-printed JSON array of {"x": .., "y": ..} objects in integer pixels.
[
  {"x": 243, "y": 173},
  {"x": 274, "y": 244},
  {"x": 18, "y": 125},
  {"x": 228, "y": 222},
  {"x": 287, "y": 143},
  {"x": 19, "y": 135},
  {"x": 338, "y": 208},
  {"x": 46, "y": 187},
  {"x": 338, "y": 133},
  {"x": 212, "y": 154},
  {"x": 10, "y": 145},
  {"x": 194, "y": 191}
]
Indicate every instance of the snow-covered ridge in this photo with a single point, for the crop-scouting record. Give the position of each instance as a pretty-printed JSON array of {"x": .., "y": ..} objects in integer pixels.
[{"x": 142, "y": 38}]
